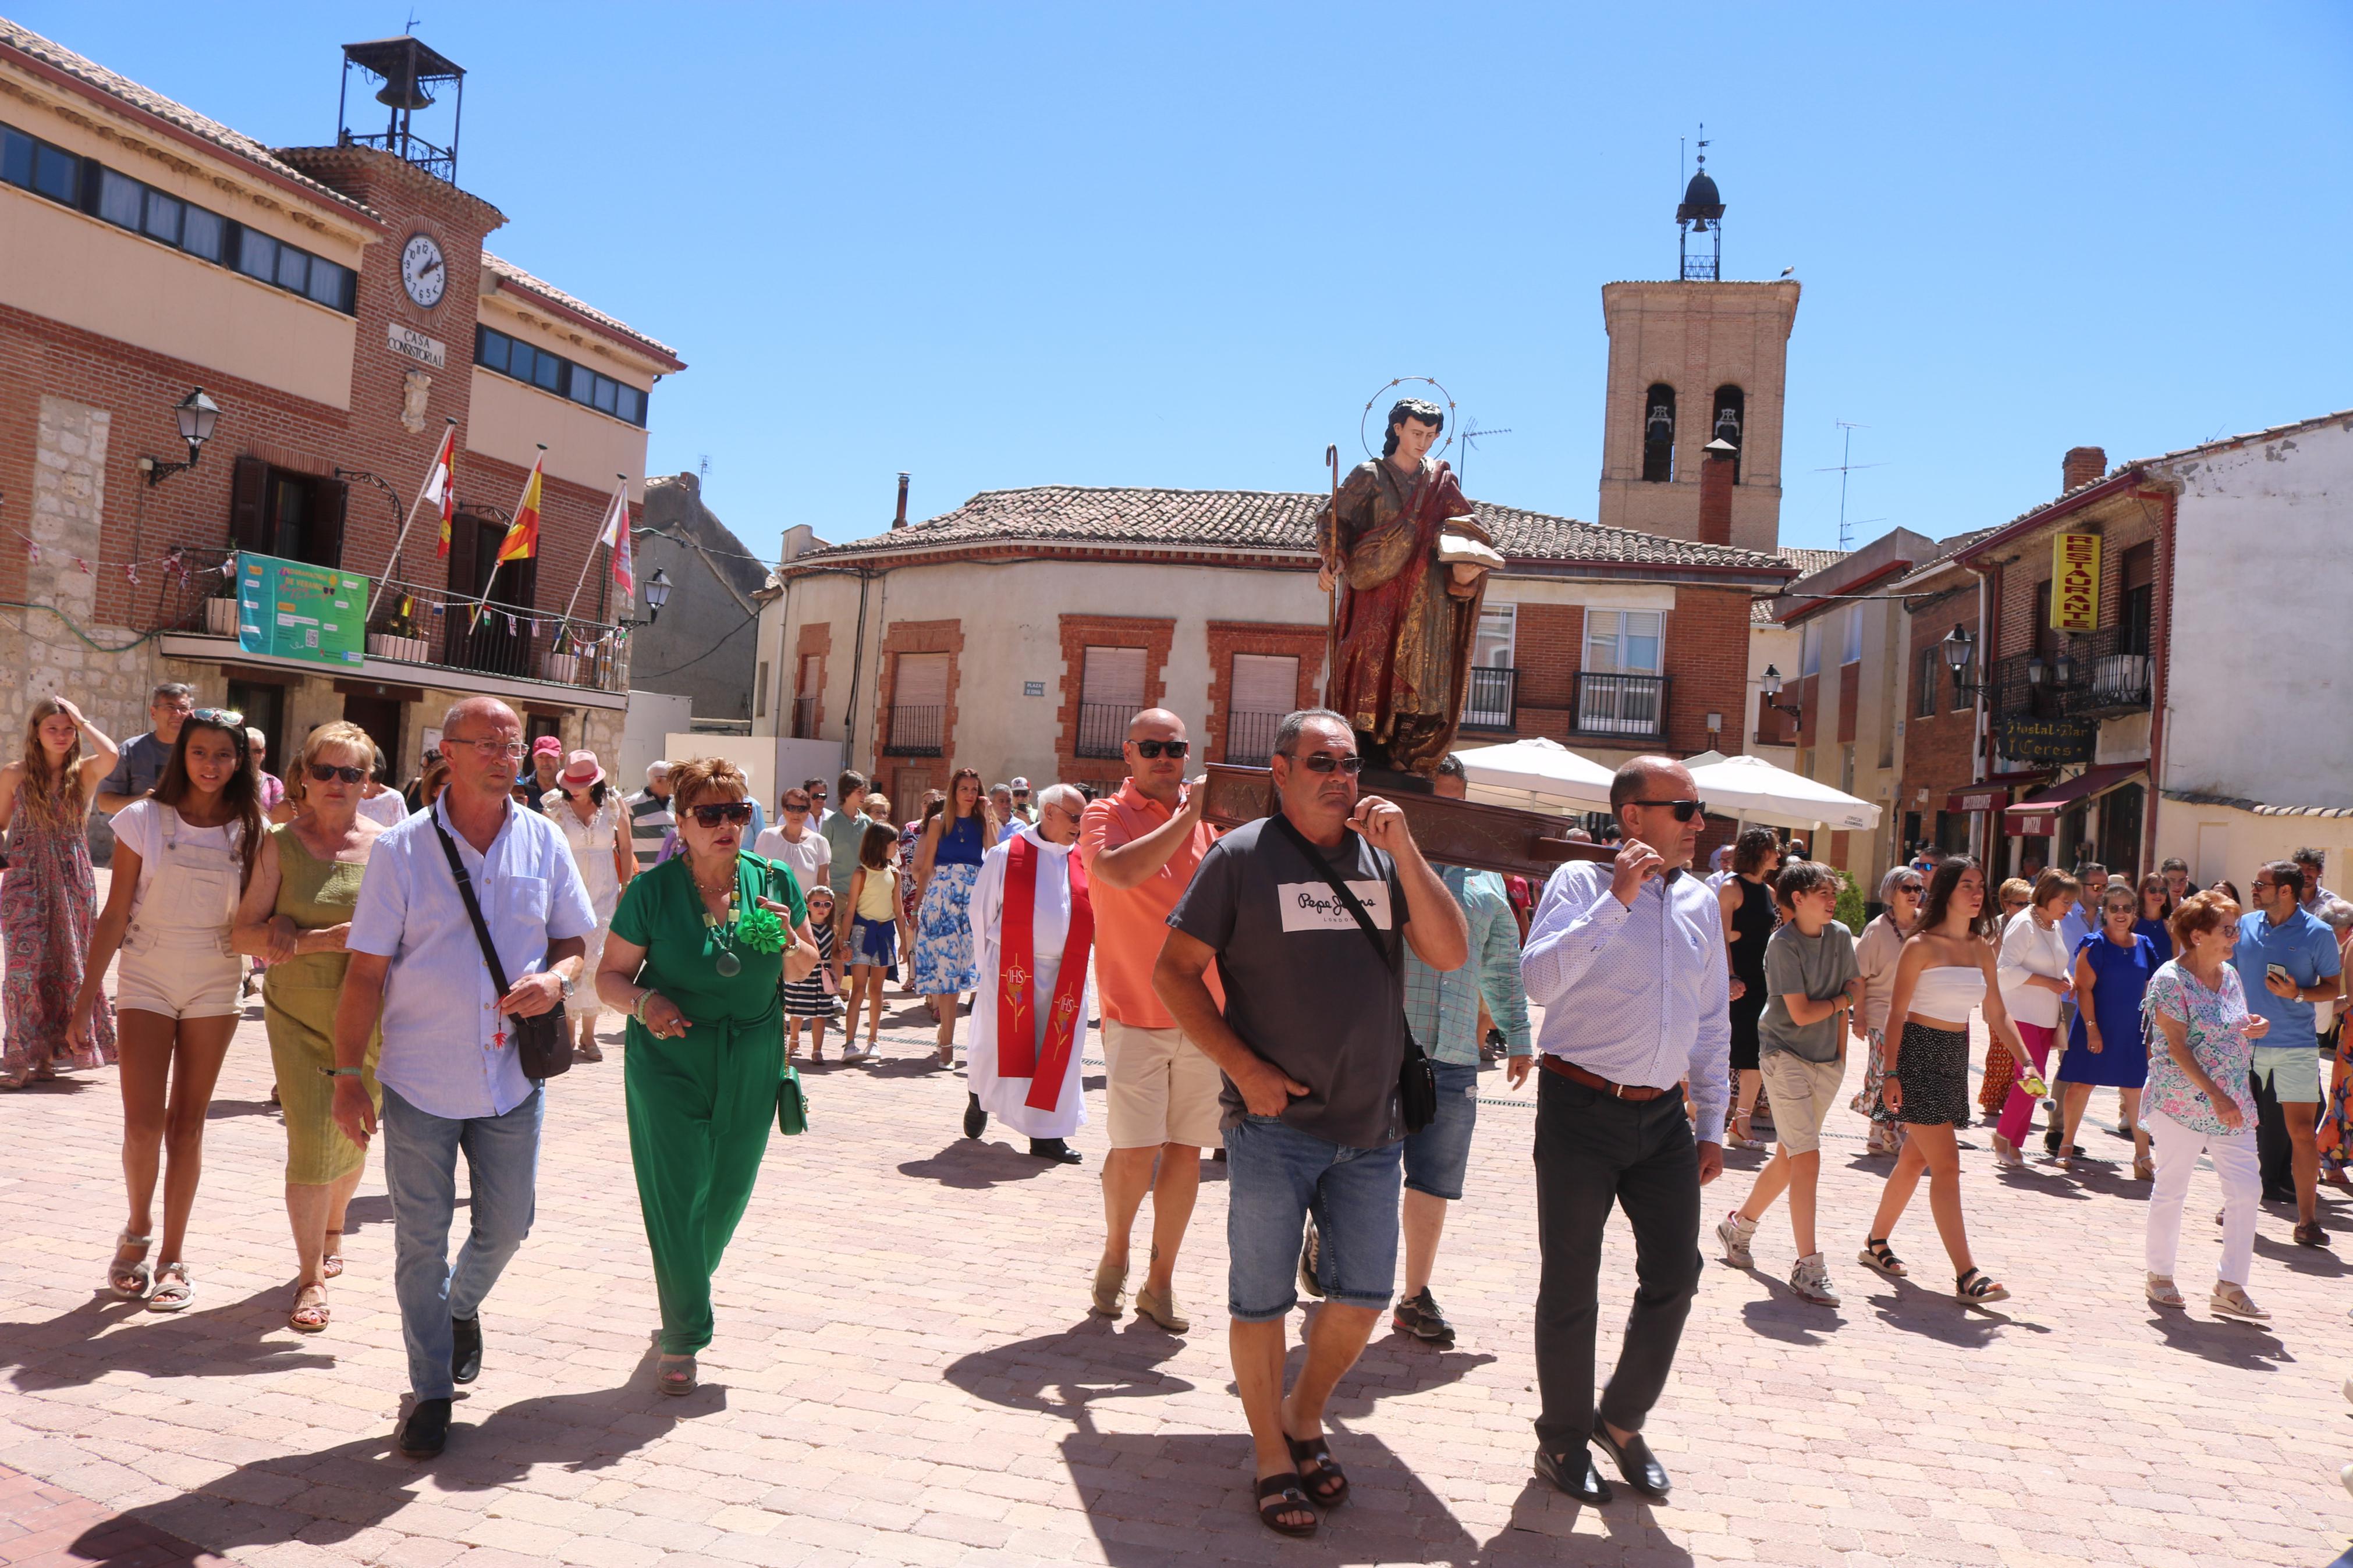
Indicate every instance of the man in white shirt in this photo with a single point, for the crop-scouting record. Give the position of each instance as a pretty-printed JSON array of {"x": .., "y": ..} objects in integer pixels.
[
  {"x": 1626, "y": 957},
  {"x": 797, "y": 842},
  {"x": 450, "y": 1068}
]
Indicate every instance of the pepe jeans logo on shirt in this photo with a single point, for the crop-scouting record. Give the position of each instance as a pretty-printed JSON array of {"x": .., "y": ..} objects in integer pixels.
[{"x": 1314, "y": 906}]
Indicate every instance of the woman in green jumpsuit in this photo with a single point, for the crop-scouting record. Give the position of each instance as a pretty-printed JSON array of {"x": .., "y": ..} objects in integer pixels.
[{"x": 698, "y": 949}]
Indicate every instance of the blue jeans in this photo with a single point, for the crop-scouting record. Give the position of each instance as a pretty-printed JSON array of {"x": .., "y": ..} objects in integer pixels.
[
  {"x": 420, "y": 1171},
  {"x": 1275, "y": 1175},
  {"x": 1437, "y": 1156}
]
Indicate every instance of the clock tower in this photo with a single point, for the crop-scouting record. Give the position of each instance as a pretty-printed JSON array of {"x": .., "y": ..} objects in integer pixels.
[{"x": 1692, "y": 362}]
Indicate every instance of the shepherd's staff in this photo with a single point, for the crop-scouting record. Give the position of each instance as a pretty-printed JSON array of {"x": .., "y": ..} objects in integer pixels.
[{"x": 1331, "y": 593}]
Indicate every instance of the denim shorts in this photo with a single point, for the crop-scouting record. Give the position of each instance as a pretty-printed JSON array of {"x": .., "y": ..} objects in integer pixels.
[
  {"x": 1275, "y": 1175},
  {"x": 1436, "y": 1157}
]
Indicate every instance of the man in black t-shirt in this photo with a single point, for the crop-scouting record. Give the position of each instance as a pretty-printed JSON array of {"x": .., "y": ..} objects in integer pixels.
[{"x": 1311, "y": 1042}]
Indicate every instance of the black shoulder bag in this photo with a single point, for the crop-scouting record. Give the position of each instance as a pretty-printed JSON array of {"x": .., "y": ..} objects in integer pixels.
[
  {"x": 1417, "y": 1080},
  {"x": 540, "y": 1042}
]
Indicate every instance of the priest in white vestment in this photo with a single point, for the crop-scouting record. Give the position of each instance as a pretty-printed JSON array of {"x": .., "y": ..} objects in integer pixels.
[{"x": 1033, "y": 927}]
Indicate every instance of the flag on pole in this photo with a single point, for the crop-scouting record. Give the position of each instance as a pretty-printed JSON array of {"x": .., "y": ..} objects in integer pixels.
[
  {"x": 522, "y": 541},
  {"x": 615, "y": 537},
  {"x": 440, "y": 486}
]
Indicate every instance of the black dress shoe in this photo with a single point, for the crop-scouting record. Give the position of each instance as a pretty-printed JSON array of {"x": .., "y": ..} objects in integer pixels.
[
  {"x": 465, "y": 1348},
  {"x": 427, "y": 1429},
  {"x": 1054, "y": 1149},
  {"x": 1573, "y": 1473},
  {"x": 975, "y": 1119},
  {"x": 1634, "y": 1460}
]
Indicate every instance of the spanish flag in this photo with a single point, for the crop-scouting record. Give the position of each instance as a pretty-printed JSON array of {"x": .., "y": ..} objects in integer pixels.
[
  {"x": 522, "y": 541},
  {"x": 441, "y": 485}
]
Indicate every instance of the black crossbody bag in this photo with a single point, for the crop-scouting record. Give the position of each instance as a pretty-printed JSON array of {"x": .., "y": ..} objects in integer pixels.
[
  {"x": 1416, "y": 1080},
  {"x": 540, "y": 1042}
]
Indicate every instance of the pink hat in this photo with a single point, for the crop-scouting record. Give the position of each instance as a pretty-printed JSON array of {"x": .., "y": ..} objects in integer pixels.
[
  {"x": 580, "y": 771},
  {"x": 547, "y": 744}
]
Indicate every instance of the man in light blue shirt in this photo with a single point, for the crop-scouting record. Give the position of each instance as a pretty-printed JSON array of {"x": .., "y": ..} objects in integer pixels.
[
  {"x": 1441, "y": 1008},
  {"x": 1626, "y": 957},
  {"x": 2278, "y": 934},
  {"x": 450, "y": 1068}
]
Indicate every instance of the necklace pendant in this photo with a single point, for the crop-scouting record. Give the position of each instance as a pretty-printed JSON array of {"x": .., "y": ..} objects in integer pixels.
[{"x": 728, "y": 965}]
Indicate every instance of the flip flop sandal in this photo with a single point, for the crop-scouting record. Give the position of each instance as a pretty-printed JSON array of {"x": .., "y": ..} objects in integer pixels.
[
  {"x": 331, "y": 1266},
  {"x": 1973, "y": 1288},
  {"x": 1876, "y": 1256},
  {"x": 1281, "y": 1494},
  {"x": 131, "y": 1281},
  {"x": 175, "y": 1288},
  {"x": 310, "y": 1317},
  {"x": 676, "y": 1377},
  {"x": 1313, "y": 1456}
]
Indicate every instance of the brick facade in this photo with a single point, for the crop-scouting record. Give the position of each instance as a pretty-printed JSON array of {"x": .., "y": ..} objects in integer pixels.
[
  {"x": 909, "y": 778},
  {"x": 1152, "y": 635},
  {"x": 1939, "y": 748},
  {"x": 1227, "y": 638}
]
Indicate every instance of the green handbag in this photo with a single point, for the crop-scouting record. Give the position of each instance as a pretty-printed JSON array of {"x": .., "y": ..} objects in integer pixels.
[{"x": 792, "y": 1104}]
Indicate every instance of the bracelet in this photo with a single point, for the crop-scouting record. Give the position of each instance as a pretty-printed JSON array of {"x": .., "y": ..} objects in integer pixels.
[
  {"x": 638, "y": 1010},
  {"x": 341, "y": 1072}
]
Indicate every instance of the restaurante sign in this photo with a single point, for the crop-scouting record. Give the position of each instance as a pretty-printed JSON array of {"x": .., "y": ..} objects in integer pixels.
[{"x": 2075, "y": 582}]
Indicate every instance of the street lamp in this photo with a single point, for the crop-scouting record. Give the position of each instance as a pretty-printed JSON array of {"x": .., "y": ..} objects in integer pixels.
[
  {"x": 657, "y": 595},
  {"x": 1959, "y": 646},
  {"x": 196, "y": 413},
  {"x": 1771, "y": 683}
]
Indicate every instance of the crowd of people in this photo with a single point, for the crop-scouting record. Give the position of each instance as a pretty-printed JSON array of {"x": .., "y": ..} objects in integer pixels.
[{"x": 1306, "y": 997}]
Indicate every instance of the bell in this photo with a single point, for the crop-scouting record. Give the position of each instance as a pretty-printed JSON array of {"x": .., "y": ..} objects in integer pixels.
[{"x": 402, "y": 93}]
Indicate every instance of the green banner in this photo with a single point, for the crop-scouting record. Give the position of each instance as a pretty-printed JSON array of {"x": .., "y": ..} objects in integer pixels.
[{"x": 295, "y": 610}]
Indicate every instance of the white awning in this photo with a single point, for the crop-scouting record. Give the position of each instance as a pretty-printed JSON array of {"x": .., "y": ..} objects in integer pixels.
[
  {"x": 1536, "y": 775},
  {"x": 1754, "y": 790}
]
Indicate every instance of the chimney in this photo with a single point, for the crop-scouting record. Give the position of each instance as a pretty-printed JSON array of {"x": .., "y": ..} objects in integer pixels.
[
  {"x": 1715, "y": 491},
  {"x": 2080, "y": 467},
  {"x": 900, "y": 520}
]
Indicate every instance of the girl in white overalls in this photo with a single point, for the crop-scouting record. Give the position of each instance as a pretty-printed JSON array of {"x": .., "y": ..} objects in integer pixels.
[{"x": 182, "y": 857}]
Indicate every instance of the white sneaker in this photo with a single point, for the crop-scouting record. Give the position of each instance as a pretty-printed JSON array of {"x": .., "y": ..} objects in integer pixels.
[
  {"x": 2230, "y": 1300},
  {"x": 1812, "y": 1279},
  {"x": 1735, "y": 1233}
]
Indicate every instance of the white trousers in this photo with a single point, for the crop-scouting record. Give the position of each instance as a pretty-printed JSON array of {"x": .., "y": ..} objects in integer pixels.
[{"x": 2176, "y": 1149}]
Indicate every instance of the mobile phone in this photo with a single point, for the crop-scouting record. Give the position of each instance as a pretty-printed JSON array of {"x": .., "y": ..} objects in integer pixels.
[{"x": 2279, "y": 971}]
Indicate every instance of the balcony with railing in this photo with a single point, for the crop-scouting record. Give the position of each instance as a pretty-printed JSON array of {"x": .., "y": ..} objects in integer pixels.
[
  {"x": 1103, "y": 728},
  {"x": 1622, "y": 708},
  {"x": 1250, "y": 739},
  {"x": 416, "y": 630},
  {"x": 1491, "y": 701},
  {"x": 915, "y": 731},
  {"x": 2094, "y": 674}
]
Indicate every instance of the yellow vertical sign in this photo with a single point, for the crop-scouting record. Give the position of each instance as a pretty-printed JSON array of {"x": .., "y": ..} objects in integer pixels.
[{"x": 2075, "y": 582}]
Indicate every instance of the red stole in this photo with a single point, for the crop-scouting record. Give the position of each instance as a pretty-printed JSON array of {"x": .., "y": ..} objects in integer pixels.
[{"x": 1019, "y": 1054}]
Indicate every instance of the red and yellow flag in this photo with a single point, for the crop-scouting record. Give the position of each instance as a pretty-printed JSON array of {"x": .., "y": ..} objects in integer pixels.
[
  {"x": 441, "y": 488},
  {"x": 522, "y": 541}
]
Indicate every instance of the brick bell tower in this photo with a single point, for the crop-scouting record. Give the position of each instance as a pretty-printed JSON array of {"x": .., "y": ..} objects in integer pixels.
[{"x": 1692, "y": 362}]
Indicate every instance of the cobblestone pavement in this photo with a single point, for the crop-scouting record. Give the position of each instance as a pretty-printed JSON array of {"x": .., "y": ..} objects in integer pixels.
[{"x": 905, "y": 1373}]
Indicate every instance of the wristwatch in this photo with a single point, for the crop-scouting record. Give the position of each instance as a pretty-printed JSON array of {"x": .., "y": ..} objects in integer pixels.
[{"x": 565, "y": 981}]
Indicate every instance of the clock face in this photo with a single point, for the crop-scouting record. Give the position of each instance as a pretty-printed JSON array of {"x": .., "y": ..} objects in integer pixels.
[{"x": 421, "y": 272}]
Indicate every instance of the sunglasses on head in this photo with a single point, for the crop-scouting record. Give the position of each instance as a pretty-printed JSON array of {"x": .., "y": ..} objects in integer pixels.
[
  {"x": 1157, "y": 749},
  {"x": 322, "y": 772},
  {"x": 736, "y": 811},
  {"x": 1326, "y": 762},
  {"x": 1684, "y": 810}
]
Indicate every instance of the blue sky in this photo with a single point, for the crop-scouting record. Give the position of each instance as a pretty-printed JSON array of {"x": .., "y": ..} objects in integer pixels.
[{"x": 1182, "y": 245}]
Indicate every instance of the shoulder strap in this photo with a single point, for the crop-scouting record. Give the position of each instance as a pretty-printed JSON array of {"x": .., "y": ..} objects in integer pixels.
[
  {"x": 1331, "y": 878},
  {"x": 473, "y": 910}
]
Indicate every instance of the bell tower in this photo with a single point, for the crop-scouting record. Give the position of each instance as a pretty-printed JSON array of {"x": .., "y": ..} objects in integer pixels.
[{"x": 1694, "y": 361}]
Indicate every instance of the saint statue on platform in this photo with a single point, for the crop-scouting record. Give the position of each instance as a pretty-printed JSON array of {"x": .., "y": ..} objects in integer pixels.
[{"x": 1410, "y": 563}]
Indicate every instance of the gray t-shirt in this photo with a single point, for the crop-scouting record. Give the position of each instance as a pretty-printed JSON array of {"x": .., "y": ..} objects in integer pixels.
[
  {"x": 140, "y": 767},
  {"x": 1817, "y": 966},
  {"x": 1303, "y": 988}
]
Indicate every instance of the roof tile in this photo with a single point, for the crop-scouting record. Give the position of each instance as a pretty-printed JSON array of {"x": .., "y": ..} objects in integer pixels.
[{"x": 508, "y": 270}]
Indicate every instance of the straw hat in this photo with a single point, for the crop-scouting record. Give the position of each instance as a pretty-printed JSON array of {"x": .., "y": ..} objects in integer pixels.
[{"x": 581, "y": 771}]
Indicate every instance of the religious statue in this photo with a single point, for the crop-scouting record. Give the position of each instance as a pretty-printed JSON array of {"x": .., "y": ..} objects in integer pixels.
[{"x": 1412, "y": 562}]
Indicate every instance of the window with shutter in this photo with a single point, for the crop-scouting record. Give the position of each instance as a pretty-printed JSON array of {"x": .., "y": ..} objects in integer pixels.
[
  {"x": 1110, "y": 693},
  {"x": 919, "y": 700},
  {"x": 248, "y": 482},
  {"x": 1265, "y": 688}
]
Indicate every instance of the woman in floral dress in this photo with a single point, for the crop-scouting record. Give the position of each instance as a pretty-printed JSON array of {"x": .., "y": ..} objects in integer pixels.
[
  {"x": 596, "y": 824},
  {"x": 49, "y": 895},
  {"x": 947, "y": 863}
]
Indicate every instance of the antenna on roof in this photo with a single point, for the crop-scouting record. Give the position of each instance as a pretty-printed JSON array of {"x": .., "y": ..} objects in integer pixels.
[
  {"x": 703, "y": 471},
  {"x": 1470, "y": 434},
  {"x": 1847, "y": 465}
]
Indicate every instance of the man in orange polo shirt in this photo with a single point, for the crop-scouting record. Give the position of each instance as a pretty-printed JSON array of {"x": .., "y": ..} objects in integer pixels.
[{"x": 1140, "y": 848}]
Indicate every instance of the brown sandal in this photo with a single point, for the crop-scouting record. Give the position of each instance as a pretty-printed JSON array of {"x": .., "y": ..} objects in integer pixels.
[
  {"x": 1280, "y": 1494},
  {"x": 675, "y": 1377},
  {"x": 310, "y": 1317}
]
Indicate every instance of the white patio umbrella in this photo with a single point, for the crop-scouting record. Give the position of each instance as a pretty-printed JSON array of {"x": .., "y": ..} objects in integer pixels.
[
  {"x": 1754, "y": 790},
  {"x": 1536, "y": 775}
]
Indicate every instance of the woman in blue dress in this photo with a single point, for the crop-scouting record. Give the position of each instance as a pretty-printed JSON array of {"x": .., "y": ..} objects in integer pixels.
[
  {"x": 948, "y": 864},
  {"x": 2156, "y": 909},
  {"x": 2113, "y": 966}
]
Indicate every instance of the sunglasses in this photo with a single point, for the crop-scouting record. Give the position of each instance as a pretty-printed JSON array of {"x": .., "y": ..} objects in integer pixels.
[
  {"x": 322, "y": 772},
  {"x": 1157, "y": 749},
  {"x": 1684, "y": 810},
  {"x": 1323, "y": 762},
  {"x": 1915, "y": 888},
  {"x": 738, "y": 812}
]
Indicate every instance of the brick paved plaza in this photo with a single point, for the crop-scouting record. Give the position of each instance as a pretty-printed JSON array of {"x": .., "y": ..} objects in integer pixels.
[{"x": 905, "y": 1373}]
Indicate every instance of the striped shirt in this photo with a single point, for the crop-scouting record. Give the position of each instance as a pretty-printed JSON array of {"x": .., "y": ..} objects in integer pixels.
[
  {"x": 649, "y": 819},
  {"x": 1641, "y": 996},
  {"x": 1443, "y": 1010}
]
